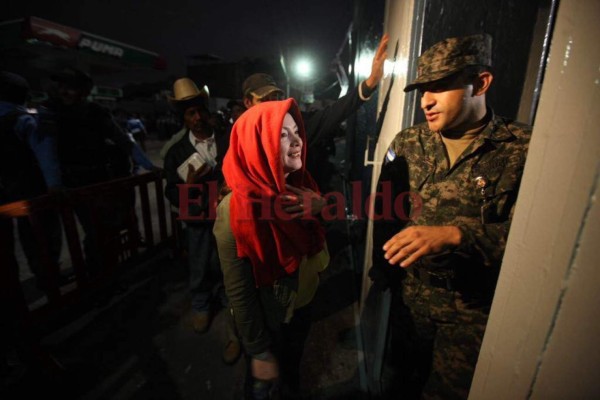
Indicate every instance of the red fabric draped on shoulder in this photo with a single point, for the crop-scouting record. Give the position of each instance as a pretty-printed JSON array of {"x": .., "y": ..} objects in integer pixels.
[{"x": 252, "y": 167}]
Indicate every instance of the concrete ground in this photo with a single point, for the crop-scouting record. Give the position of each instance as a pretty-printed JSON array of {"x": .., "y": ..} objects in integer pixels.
[{"x": 139, "y": 344}]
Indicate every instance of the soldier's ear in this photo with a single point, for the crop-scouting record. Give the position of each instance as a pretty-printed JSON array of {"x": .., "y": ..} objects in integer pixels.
[{"x": 482, "y": 83}]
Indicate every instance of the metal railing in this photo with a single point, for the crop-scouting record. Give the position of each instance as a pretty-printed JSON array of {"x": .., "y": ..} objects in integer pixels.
[{"x": 101, "y": 236}]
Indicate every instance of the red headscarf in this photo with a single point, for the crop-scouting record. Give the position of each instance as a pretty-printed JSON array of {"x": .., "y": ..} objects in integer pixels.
[{"x": 254, "y": 171}]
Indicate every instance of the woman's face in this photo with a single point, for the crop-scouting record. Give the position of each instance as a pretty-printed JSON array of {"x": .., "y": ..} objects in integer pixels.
[{"x": 291, "y": 145}]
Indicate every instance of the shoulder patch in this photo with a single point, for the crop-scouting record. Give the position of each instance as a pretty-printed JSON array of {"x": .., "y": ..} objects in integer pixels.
[{"x": 390, "y": 155}]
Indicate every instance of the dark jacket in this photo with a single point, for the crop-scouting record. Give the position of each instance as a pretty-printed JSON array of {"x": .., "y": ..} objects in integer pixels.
[
  {"x": 91, "y": 146},
  {"x": 320, "y": 124},
  {"x": 257, "y": 311},
  {"x": 20, "y": 174},
  {"x": 321, "y": 127},
  {"x": 180, "y": 152}
]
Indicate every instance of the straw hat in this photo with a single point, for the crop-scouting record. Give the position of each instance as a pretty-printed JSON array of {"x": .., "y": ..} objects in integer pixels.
[{"x": 185, "y": 89}]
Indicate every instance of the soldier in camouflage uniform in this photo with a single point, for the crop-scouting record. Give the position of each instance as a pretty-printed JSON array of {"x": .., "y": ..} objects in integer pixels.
[{"x": 465, "y": 164}]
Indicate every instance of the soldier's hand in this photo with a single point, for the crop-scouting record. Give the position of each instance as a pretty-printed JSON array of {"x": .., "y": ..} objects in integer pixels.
[
  {"x": 193, "y": 176},
  {"x": 412, "y": 243},
  {"x": 378, "y": 63}
]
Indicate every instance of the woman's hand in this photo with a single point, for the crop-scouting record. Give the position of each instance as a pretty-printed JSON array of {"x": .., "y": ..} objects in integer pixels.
[
  {"x": 302, "y": 201},
  {"x": 265, "y": 370}
]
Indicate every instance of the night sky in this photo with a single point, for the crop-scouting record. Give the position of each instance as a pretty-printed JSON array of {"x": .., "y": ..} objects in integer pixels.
[{"x": 231, "y": 30}]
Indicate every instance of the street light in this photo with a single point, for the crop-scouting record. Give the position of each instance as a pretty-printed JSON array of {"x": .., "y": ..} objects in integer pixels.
[
  {"x": 304, "y": 73},
  {"x": 304, "y": 68}
]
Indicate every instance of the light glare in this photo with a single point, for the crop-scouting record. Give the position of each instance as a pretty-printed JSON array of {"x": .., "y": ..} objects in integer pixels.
[
  {"x": 363, "y": 65},
  {"x": 304, "y": 68}
]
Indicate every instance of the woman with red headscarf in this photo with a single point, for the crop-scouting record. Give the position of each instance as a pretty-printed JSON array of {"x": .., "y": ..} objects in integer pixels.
[{"x": 271, "y": 246}]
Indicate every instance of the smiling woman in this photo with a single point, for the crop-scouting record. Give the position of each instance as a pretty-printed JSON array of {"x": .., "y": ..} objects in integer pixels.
[
  {"x": 270, "y": 265},
  {"x": 291, "y": 145}
]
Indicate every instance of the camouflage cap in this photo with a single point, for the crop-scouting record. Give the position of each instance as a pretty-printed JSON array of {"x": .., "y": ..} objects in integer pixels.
[{"x": 450, "y": 56}]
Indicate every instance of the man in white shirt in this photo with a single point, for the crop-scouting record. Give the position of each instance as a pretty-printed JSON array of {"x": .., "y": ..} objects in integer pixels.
[{"x": 193, "y": 171}]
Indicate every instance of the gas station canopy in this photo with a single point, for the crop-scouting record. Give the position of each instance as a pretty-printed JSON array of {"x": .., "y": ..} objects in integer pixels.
[{"x": 34, "y": 43}]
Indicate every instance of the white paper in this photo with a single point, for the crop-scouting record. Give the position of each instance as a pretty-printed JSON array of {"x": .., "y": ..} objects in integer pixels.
[{"x": 195, "y": 160}]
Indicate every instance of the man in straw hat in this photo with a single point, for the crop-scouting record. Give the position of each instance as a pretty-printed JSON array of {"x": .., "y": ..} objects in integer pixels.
[
  {"x": 187, "y": 91},
  {"x": 195, "y": 159},
  {"x": 465, "y": 164}
]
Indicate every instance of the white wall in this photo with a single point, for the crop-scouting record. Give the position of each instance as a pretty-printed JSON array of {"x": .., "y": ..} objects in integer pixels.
[
  {"x": 398, "y": 24},
  {"x": 542, "y": 336}
]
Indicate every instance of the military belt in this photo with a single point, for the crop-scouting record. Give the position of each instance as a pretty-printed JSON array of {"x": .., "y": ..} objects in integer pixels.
[{"x": 429, "y": 278}]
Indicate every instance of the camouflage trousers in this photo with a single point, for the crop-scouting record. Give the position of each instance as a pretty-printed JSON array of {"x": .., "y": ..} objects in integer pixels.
[{"x": 435, "y": 339}]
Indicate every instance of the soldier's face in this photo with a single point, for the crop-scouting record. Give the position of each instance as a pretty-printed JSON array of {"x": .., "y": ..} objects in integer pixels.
[{"x": 450, "y": 104}]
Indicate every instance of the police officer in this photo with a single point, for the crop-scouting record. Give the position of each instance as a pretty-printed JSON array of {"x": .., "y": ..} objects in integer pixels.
[{"x": 464, "y": 165}]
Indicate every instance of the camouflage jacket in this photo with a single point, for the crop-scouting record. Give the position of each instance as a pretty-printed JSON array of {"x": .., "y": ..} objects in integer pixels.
[{"x": 477, "y": 194}]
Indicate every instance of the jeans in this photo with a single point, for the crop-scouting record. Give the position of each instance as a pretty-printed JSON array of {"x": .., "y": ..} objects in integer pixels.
[
  {"x": 205, "y": 273},
  {"x": 288, "y": 346}
]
